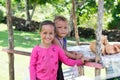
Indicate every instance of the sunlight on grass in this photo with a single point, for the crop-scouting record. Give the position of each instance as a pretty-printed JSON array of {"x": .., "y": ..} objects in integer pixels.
[
  {"x": 21, "y": 65},
  {"x": 3, "y": 27},
  {"x": 21, "y": 43}
]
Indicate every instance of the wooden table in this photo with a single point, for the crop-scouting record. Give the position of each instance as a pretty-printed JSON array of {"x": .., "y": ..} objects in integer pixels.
[{"x": 107, "y": 60}]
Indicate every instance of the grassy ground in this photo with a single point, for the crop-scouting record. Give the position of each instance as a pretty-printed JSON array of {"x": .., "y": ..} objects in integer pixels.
[{"x": 23, "y": 41}]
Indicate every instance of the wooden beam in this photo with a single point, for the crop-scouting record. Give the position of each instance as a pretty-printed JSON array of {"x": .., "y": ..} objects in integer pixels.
[
  {"x": 80, "y": 43},
  {"x": 90, "y": 63},
  {"x": 94, "y": 65},
  {"x": 16, "y": 52}
]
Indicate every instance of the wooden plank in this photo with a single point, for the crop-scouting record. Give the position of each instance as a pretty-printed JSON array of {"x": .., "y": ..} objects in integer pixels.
[
  {"x": 16, "y": 52},
  {"x": 89, "y": 64},
  {"x": 94, "y": 65},
  {"x": 80, "y": 43}
]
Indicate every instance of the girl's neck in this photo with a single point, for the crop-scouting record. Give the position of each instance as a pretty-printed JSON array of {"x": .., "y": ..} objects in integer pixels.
[
  {"x": 60, "y": 38},
  {"x": 45, "y": 45}
]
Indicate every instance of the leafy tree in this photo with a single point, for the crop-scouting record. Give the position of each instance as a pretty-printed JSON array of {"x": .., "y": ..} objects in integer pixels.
[
  {"x": 115, "y": 22},
  {"x": 2, "y": 3},
  {"x": 87, "y": 14},
  {"x": 1, "y": 15},
  {"x": 31, "y": 5},
  {"x": 86, "y": 10}
]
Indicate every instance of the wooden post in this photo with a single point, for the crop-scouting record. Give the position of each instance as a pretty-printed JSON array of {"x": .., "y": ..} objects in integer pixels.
[
  {"x": 80, "y": 68},
  {"x": 10, "y": 40},
  {"x": 75, "y": 21},
  {"x": 98, "y": 37}
]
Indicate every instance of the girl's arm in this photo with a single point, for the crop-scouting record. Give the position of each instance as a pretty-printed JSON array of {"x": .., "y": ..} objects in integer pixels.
[
  {"x": 66, "y": 60},
  {"x": 33, "y": 59},
  {"x": 72, "y": 55}
]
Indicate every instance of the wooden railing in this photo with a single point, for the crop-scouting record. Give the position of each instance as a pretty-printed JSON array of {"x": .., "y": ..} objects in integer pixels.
[
  {"x": 16, "y": 52},
  {"x": 91, "y": 62}
]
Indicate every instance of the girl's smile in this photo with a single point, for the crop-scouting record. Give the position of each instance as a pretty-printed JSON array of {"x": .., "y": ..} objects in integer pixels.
[{"x": 47, "y": 35}]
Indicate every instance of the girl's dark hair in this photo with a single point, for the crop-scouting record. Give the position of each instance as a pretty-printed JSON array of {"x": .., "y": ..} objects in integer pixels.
[{"x": 46, "y": 22}]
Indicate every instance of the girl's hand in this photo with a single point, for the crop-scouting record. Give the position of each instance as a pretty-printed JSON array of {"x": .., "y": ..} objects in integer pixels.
[
  {"x": 79, "y": 56},
  {"x": 84, "y": 59}
]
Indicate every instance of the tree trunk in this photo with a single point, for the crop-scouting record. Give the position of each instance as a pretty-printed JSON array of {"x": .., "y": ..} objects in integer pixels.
[
  {"x": 29, "y": 17},
  {"x": 80, "y": 68},
  {"x": 27, "y": 13},
  {"x": 75, "y": 21},
  {"x": 71, "y": 26},
  {"x": 10, "y": 40},
  {"x": 33, "y": 10},
  {"x": 98, "y": 36}
]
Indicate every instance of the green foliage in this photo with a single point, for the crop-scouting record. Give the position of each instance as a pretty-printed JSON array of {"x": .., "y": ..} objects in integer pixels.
[
  {"x": 46, "y": 1},
  {"x": 115, "y": 23},
  {"x": 46, "y": 9},
  {"x": 86, "y": 14},
  {"x": 109, "y": 5},
  {"x": 63, "y": 7},
  {"x": 1, "y": 15},
  {"x": 89, "y": 8},
  {"x": 86, "y": 11},
  {"x": 2, "y": 3}
]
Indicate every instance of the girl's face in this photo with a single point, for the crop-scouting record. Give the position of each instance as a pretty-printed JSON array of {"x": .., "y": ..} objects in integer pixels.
[
  {"x": 47, "y": 34},
  {"x": 61, "y": 28}
]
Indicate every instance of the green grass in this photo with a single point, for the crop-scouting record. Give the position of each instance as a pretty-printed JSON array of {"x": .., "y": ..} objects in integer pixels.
[
  {"x": 21, "y": 39},
  {"x": 24, "y": 41},
  {"x": 21, "y": 62}
]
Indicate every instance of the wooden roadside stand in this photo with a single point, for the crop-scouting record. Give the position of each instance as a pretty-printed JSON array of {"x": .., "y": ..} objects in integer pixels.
[
  {"x": 95, "y": 64},
  {"x": 11, "y": 50}
]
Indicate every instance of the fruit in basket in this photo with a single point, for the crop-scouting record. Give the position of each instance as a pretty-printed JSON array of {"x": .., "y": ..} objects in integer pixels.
[
  {"x": 117, "y": 47},
  {"x": 104, "y": 42},
  {"x": 112, "y": 49},
  {"x": 93, "y": 47},
  {"x": 107, "y": 48}
]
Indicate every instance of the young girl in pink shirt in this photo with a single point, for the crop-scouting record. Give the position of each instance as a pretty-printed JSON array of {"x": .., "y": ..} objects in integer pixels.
[{"x": 44, "y": 58}]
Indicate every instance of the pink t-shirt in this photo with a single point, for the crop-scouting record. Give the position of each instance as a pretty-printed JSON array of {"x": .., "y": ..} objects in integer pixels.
[{"x": 44, "y": 62}]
